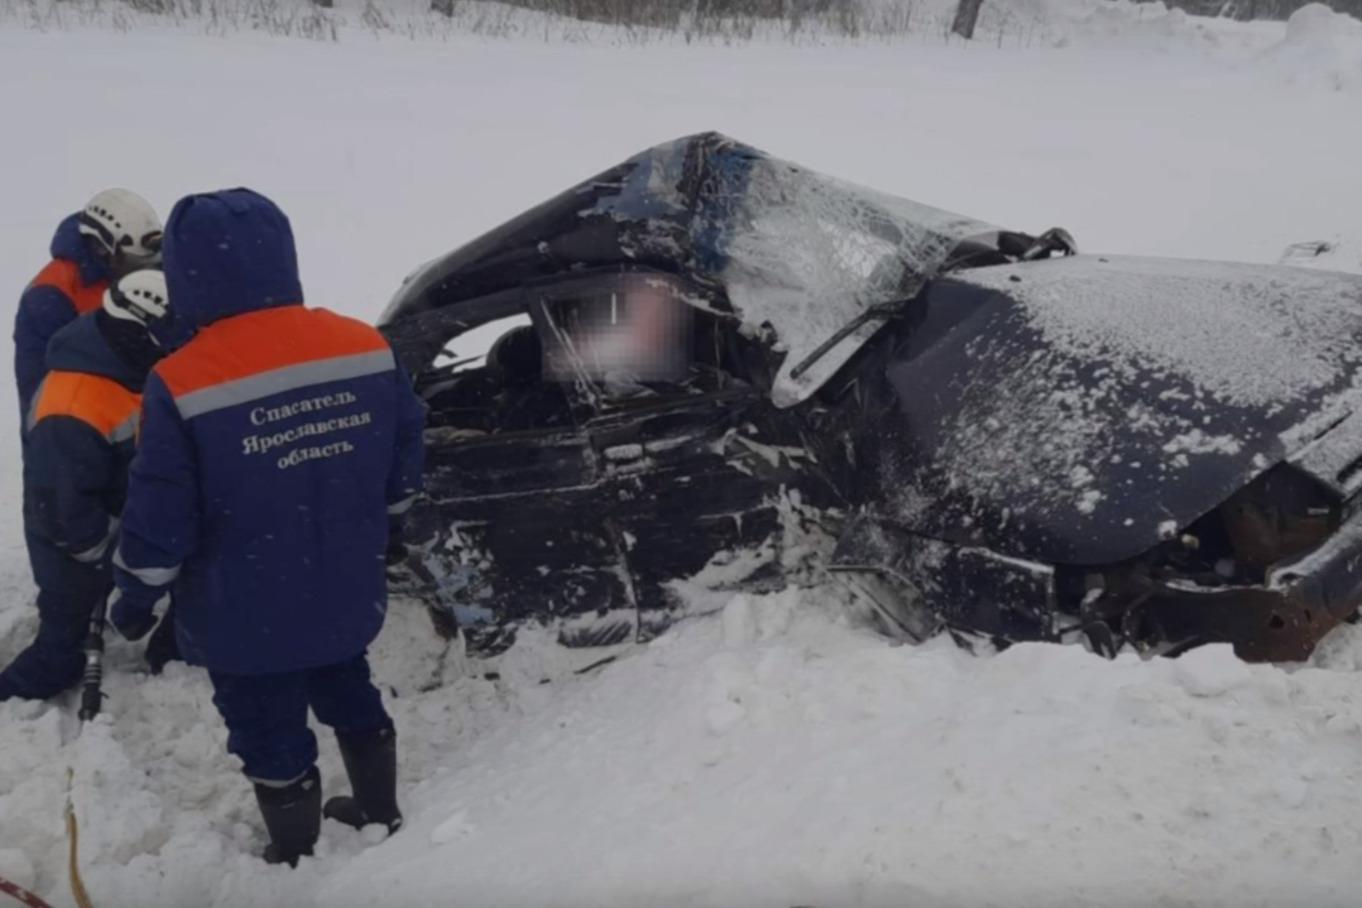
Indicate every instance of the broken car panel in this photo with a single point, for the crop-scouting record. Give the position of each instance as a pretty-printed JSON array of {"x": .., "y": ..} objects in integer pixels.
[{"x": 1007, "y": 438}]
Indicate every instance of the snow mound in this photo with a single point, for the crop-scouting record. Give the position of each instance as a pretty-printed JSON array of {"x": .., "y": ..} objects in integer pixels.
[
  {"x": 771, "y": 754},
  {"x": 1211, "y": 671},
  {"x": 17, "y": 868},
  {"x": 1321, "y": 48},
  {"x": 1340, "y": 651},
  {"x": 1159, "y": 26},
  {"x": 774, "y": 755}
]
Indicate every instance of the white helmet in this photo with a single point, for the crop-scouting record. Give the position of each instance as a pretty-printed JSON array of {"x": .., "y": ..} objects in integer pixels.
[
  {"x": 125, "y": 226},
  {"x": 139, "y": 297}
]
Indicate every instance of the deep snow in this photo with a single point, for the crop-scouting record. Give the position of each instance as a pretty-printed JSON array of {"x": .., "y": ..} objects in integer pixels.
[{"x": 776, "y": 753}]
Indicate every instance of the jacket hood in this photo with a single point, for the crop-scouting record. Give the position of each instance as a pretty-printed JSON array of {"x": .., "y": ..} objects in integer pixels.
[
  {"x": 228, "y": 253},
  {"x": 68, "y": 244},
  {"x": 81, "y": 347}
]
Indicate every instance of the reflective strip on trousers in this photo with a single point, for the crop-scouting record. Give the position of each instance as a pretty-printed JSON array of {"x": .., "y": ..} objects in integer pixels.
[
  {"x": 151, "y": 576},
  {"x": 96, "y": 552}
]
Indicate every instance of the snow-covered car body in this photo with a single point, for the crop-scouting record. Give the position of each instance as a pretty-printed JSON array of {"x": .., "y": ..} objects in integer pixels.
[{"x": 1005, "y": 437}]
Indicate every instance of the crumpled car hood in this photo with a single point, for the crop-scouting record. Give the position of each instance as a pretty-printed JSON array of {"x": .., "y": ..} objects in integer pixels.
[{"x": 1079, "y": 410}]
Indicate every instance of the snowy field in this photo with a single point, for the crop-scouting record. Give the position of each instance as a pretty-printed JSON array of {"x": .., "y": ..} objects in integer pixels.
[{"x": 775, "y": 754}]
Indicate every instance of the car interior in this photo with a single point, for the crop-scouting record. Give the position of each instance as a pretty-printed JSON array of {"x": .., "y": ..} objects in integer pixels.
[{"x": 604, "y": 344}]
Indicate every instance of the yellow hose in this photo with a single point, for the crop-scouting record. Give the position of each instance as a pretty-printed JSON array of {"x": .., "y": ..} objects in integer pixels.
[{"x": 73, "y": 836}]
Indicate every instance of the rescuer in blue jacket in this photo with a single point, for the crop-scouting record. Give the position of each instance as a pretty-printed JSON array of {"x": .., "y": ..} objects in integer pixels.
[
  {"x": 115, "y": 234},
  {"x": 78, "y": 442},
  {"x": 278, "y": 446}
]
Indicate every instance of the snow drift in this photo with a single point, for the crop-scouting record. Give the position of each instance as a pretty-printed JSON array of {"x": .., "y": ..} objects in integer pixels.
[{"x": 1321, "y": 47}]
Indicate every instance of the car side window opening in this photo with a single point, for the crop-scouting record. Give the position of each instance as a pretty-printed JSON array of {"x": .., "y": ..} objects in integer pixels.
[
  {"x": 470, "y": 349},
  {"x": 464, "y": 386},
  {"x": 585, "y": 345}
]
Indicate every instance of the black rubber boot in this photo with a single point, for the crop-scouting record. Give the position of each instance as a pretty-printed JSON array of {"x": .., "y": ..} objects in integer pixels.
[
  {"x": 293, "y": 816},
  {"x": 371, "y": 763}
]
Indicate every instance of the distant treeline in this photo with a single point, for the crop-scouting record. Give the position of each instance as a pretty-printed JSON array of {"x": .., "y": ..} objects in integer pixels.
[
  {"x": 732, "y": 19},
  {"x": 670, "y": 13},
  {"x": 1258, "y": 9}
]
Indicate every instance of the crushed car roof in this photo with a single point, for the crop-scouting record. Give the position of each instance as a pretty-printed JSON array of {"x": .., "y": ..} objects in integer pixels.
[{"x": 794, "y": 251}]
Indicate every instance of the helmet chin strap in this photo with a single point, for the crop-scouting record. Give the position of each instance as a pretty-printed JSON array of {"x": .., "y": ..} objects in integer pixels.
[
  {"x": 121, "y": 265},
  {"x": 99, "y": 252},
  {"x": 130, "y": 341}
]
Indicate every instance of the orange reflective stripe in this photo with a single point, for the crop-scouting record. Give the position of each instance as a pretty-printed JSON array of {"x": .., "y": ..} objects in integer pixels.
[
  {"x": 65, "y": 276},
  {"x": 100, "y": 402},
  {"x": 247, "y": 345}
]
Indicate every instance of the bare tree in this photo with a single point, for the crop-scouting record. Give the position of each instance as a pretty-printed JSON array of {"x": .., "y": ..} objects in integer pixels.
[{"x": 966, "y": 18}]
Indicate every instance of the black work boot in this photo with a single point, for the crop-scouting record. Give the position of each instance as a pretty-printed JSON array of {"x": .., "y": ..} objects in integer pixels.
[
  {"x": 293, "y": 816},
  {"x": 371, "y": 763}
]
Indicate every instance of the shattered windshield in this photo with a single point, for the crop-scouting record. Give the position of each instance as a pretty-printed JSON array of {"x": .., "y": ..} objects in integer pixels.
[{"x": 807, "y": 254}]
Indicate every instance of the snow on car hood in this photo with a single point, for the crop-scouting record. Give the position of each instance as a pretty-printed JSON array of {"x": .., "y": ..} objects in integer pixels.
[
  {"x": 1242, "y": 334},
  {"x": 1079, "y": 408}
]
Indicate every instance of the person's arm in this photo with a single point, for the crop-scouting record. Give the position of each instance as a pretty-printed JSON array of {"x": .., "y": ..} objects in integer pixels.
[
  {"x": 72, "y": 507},
  {"x": 43, "y": 311},
  {"x": 161, "y": 520}
]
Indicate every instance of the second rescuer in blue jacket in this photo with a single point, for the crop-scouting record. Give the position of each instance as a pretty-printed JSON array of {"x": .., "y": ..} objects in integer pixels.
[
  {"x": 78, "y": 440},
  {"x": 275, "y": 447}
]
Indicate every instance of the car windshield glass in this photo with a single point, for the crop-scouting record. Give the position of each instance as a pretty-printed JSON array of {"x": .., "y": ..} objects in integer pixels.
[{"x": 809, "y": 255}]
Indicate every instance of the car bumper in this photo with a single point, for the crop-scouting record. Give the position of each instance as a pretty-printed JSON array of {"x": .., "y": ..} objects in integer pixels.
[{"x": 1280, "y": 620}]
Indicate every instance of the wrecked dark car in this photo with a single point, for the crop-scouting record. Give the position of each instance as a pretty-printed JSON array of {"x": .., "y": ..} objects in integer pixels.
[{"x": 705, "y": 352}]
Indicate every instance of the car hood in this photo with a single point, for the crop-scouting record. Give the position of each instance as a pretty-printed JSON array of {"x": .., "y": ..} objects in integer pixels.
[
  {"x": 796, "y": 255},
  {"x": 1079, "y": 410}
]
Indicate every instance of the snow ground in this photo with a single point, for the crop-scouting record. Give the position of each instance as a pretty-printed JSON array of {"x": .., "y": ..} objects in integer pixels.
[{"x": 777, "y": 754}]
